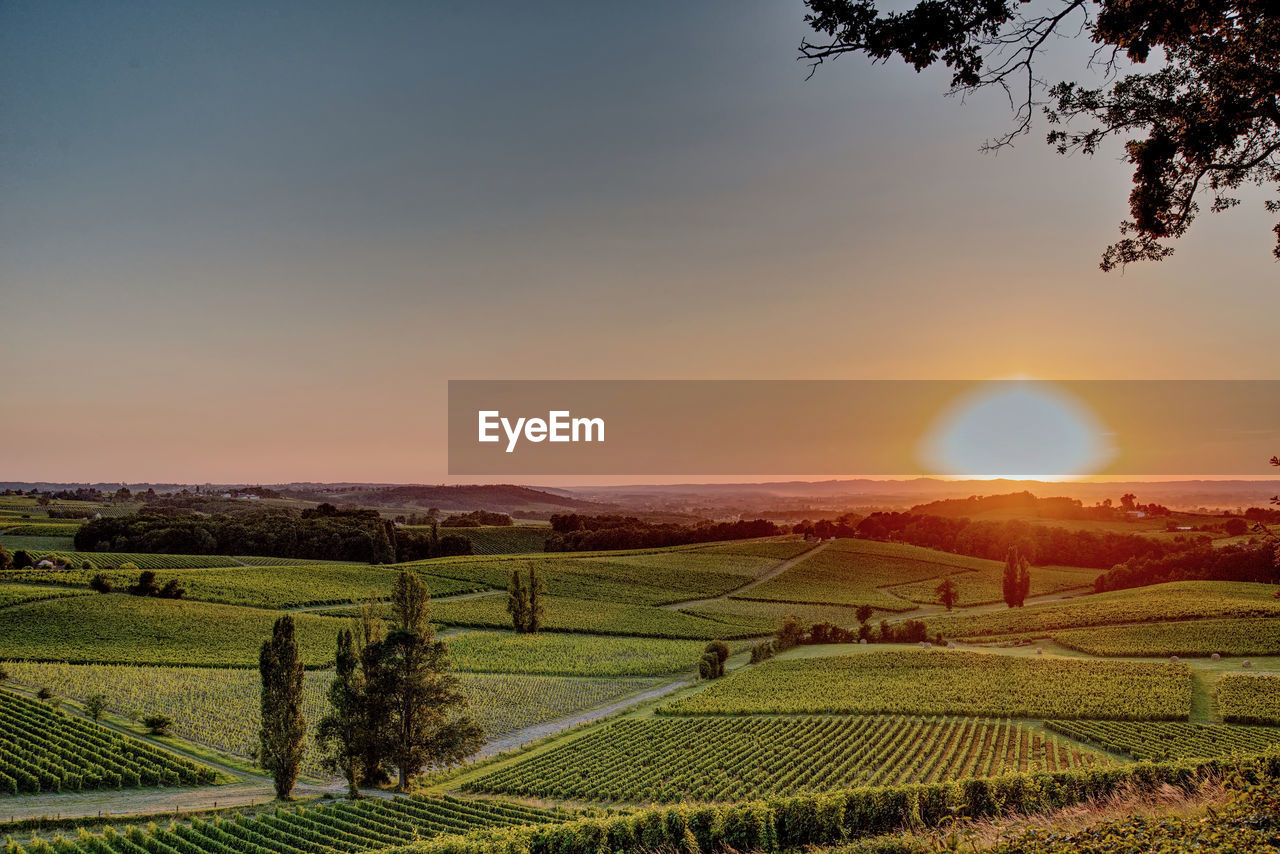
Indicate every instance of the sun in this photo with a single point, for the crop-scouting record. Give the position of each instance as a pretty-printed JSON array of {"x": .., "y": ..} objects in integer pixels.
[{"x": 1017, "y": 429}]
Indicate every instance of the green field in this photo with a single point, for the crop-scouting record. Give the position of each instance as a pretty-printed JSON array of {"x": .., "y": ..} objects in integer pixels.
[
  {"x": 761, "y": 618},
  {"x": 347, "y": 826},
  {"x": 937, "y": 682},
  {"x": 852, "y": 572},
  {"x": 1249, "y": 699},
  {"x": 45, "y": 750},
  {"x": 138, "y": 630},
  {"x": 218, "y": 707},
  {"x": 37, "y": 544},
  {"x": 557, "y": 654},
  {"x": 728, "y": 759},
  {"x": 13, "y": 594},
  {"x": 647, "y": 578},
  {"x": 1179, "y": 600},
  {"x": 273, "y": 586},
  {"x": 503, "y": 540},
  {"x": 112, "y": 560},
  {"x": 596, "y": 617},
  {"x": 1166, "y": 740},
  {"x": 980, "y": 587},
  {"x": 1190, "y": 638}
]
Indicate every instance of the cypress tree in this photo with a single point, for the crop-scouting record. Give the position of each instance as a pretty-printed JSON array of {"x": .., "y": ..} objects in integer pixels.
[
  {"x": 518, "y": 603},
  {"x": 534, "y": 619},
  {"x": 283, "y": 726},
  {"x": 339, "y": 732}
]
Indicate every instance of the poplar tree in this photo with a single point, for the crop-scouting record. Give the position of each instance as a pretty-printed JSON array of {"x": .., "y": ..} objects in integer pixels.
[
  {"x": 283, "y": 725},
  {"x": 535, "y": 613},
  {"x": 339, "y": 732},
  {"x": 518, "y": 603}
]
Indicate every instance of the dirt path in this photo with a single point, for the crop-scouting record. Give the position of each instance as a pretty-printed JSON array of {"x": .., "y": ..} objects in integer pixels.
[{"x": 768, "y": 575}]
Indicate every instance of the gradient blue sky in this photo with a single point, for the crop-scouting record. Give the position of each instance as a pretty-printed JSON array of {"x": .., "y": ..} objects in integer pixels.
[{"x": 245, "y": 241}]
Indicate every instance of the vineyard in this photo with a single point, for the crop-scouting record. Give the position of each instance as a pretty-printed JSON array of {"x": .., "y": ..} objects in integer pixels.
[
  {"x": 509, "y": 539},
  {"x": 113, "y": 560},
  {"x": 759, "y": 617},
  {"x": 274, "y": 586},
  {"x": 1248, "y": 699},
  {"x": 1179, "y": 600},
  {"x": 728, "y": 759},
  {"x": 606, "y": 618},
  {"x": 555, "y": 654},
  {"x": 1161, "y": 741},
  {"x": 218, "y": 707},
  {"x": 648, "y": 578},
  {"x": 983, "y": 587},
  {"x": 347, "y": 827},
  {"x": 1191, "y": 638},
  {"x": 44, "y": 750},
  {"x": 125, "y": 629},
  {"x": 935, "y": 682},
  {"x": 14, "y": 594}
]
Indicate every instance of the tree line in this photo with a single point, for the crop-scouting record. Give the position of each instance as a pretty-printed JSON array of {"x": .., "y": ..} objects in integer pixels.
[
  {"x": 575, "y": 533},
  {"x": 392, "y": 702},
  {"x": 319, "y": 533}
]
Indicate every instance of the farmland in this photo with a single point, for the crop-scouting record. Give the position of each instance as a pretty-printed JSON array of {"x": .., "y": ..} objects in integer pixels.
[
  {"x": 218, "y": 707},
  {"x": 45, "y": 750},
  {"x": 1249, "y": 699},
  {"x": 980, "y": 587},
  {"x": 13, "y": 594},
  {"x": 549, "y": 653},
  {"x": 1164, "y": 740},
  {"x": 1190, "y": 638},
  {"x": 271, "y": 586},
  {"x": 119, "y": 628},
  {"x": 597, "y": 617},
  {"x": 1180, "y": 600},
  {"x": 935, "y": 682},
  {"x": 727, "y": 759},
  {"x": 347, "y": 827},
  {"x": 509, "y": 539}
]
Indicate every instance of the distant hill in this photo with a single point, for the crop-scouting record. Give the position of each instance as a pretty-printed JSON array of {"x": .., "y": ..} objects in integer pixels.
[{"x": 501, "y": 498}]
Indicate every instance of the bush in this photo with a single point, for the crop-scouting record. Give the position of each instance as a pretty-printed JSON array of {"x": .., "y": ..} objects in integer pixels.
[
  {"x": 100, "y": 583},
  {"x": 158, "y": 724},
  {"x": 44, "y": 693},
  {"x": 763, "y": 650}
]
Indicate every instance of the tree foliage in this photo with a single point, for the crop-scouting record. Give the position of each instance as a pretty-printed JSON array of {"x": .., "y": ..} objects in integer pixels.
[
  {"x": 283, "y": 726},
  {"x": 1191, "y": 86}
]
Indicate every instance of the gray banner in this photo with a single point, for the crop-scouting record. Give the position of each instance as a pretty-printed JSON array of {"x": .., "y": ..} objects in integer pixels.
[{"x": 1020, "y": 428}]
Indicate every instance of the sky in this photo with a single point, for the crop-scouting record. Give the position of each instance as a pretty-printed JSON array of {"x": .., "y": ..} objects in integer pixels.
[{"x": 251, "y": 242}]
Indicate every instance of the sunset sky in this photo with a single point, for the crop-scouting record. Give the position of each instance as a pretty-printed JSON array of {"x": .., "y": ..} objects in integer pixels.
[{"x": 247, "y": 242}]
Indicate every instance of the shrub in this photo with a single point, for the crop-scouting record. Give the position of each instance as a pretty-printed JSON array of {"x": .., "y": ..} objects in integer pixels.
[
  {"x": 100, "y": 583},
  {"x": 158, "y": 724}
]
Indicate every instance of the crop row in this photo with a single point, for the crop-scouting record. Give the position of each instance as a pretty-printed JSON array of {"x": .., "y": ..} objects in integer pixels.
[
  {"x": 1165, "y": 740},
  {"x": 727, "y": 759},
  {"x": 14, "y": 594},
  {"x": 1249, "y": 699},
  {"x": 606, "y": 618},
  {"x": 113, "y": 560},
  {"x": 42, "y": 749},
  {"x": 1179, "y": 600},
  {"x": 219, "y": 707},
  {"x": 938, "y": 682},
  {"x": 1259, "y": 636},
  {"x": 347, "y": 827}
]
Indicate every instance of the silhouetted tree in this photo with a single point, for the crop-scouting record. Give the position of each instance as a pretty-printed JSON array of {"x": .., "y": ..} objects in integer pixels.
[
  {"x": 283, "y": 725},
  {"x": 947, "y": 593},
  {"x": 1202, "y": 122},
  {"x": 339, "y": 731}
]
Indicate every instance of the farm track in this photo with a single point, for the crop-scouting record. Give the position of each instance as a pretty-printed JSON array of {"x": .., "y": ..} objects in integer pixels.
[{"x": 768, "y": 575}]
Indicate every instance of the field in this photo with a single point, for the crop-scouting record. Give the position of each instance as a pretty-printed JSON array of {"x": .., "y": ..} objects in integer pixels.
[
  {"x": 555, "y": 654},
  {"x": 273, "y": 586},
  {"x": 1191, "y": 638},
  {"x": 935, "y": 682},
  {"x": 13, "y": 594},
  {"x": 43, "y": 750},
  {"x": 596, "y": 617},
  {"x": 113, "y": 560},
  {"x": 502, "y": 540},
  {"x": 761, "y": 618},
  {"x": 1179, "y": 600},
  {"x": 218, "y": 707},
  {"x": 1249, "y": 699},
  {"x": 727, "y": 759},
  {"x": 347, "y": 827},
  {"x": 1170, "y": 739},
  {"x": 984, "y": 586},
  {"x": 118, "y": 628},
  {"x": 647, "y": 578}
]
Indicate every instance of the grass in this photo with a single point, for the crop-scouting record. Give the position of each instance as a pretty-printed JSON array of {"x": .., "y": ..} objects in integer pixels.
[
  {"x": 218, "y": 707},
  {"x": 271, "y": 586},
  {"x": 937, "y": 682},
  {"x": 1188, "y": 638},
  {"x": 729, "y": 759},
  {"x": 1167, "y": 740},
  {"x": 137, "y": 630},
  {"x": 1178, "y": 600},
  {"x": 595, "y": 617}
]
